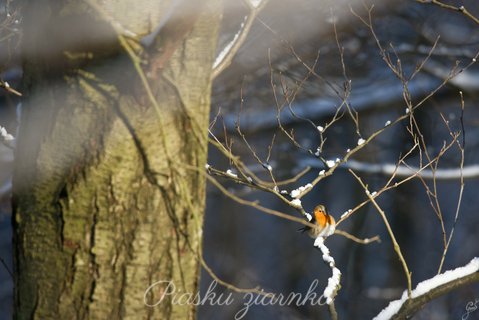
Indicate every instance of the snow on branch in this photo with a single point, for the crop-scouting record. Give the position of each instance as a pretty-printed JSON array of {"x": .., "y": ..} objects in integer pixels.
[
  {"x": 227, "y": 49},
  {"x": 430, "y": 289},
  {"x": 226, "y": 55},
  {"x": 333, "y": 281},
  {"x": 471, "y": 171},
  {"x": 468, "y": 172}
]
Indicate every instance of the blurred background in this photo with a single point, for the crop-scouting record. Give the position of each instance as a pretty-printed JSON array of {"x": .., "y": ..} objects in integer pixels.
[{"x": 248, "y": 248}]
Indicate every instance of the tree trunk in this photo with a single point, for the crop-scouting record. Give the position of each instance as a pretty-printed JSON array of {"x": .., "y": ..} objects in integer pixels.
[{"x": 108, "y": 189}]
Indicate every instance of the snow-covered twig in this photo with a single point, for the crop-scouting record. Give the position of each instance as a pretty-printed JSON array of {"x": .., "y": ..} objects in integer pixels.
[
  {"x": 429, "y": 289},
  {"x": 225, "y": 57},
  {"x": 334, "y": 281},
  {"x": 468, "y": 172}
]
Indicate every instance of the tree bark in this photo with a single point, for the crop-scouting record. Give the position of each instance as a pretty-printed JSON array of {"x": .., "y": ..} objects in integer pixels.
[{"x": 108, "y": 190}]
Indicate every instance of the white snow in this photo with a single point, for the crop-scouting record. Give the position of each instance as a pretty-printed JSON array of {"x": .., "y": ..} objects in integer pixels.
[
  {"x": 308, "y": 216},
  {"x": 346, "y": 213},
  {"x": 270, "y": 168},
  {"x": 361, "y": 141},
  {"x": 5, "y": 135},
  {"x": 228, "y": 47},
  {"x": 297, "y": 192},
  {"x": 334, "y": 280},
  {"x": 320, "y": 129},
  {"x": 330, "y": 163},
  {"x": 207, "y": 166},
  {"x": 348, "y": 150},
  {"x": 321, "y": 173},
  {"x": 387, "y": 123},
  {"x": 255, "y": 3},
  {"x": 296, "y": 203},
  {"x": 427, "y": 285},
  {"x": 231, "y": 174},
  {"x": 407, "y": 110}
]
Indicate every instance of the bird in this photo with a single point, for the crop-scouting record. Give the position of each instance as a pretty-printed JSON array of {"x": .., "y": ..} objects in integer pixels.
[{"x": 324, "y": 223}]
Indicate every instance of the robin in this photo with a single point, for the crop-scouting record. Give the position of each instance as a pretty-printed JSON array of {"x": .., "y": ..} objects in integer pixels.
[{"x": 324, "y": 223}]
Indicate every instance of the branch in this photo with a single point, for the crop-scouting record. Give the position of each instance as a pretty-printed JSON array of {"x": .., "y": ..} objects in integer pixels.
[
  {"x": 430, "y": 289},
  {"x": 4, "y": 85},
  {"x": 351, "y": 237},
  {"x": 468, "y": 172},
  {"x": 225, "y": 57},
  {"x": 461, "y": 189},
  {"x": 334, "y": 285},
  {"x": 397, "y": 248},
  {"x": 6, "y": 267},
  {"x": 460, "y": 9}
]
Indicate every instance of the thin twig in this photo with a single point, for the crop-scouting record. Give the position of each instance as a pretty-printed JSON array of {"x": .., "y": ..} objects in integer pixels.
[
  {"x": 6, "y": 267},
  {"x": 461, "y": 190},
  {"x": 460, "y": 9},
  {"x": 397, "y": 248},
  {"x": 356, "y": 239},
  {"x": 4, "y": 85}
]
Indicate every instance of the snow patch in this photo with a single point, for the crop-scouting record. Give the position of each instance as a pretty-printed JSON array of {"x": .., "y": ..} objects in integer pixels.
[
  {"x": 330, "y": 163},
  {"x": 427, "y": 285},
  {"x": 221, "y": 56},
  {"x": 297, "y": 192},
  {"x": 334, "y": 280},
  {"x": 230, "y": 173},
  {"x": 296, "y": 203},
  {"x": 5, "y": 135}
]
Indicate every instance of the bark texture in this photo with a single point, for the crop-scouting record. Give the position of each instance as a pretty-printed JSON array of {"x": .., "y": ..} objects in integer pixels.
[{"x": 106, "y": 197}]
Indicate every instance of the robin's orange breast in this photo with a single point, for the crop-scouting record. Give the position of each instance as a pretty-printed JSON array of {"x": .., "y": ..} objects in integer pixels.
[{"x": 321, "y": 217}]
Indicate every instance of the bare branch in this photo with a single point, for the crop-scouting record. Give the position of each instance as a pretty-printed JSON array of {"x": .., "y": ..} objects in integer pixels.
[
  {"x": 356, "y": 239},
  {"x": 4, "y": 85},
  {"x": 460, "y": 9},
  {"x": 397, "y": 248},
  {"x": 461, "y": 190}
]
